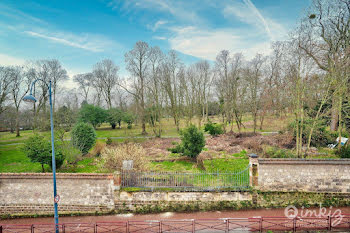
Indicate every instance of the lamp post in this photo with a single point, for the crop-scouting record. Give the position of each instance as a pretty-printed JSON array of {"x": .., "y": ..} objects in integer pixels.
[{"x": 31, "y": 99}]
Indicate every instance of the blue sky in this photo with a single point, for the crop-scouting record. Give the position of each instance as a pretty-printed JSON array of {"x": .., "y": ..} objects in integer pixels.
[{"x": 81, "y": 33}]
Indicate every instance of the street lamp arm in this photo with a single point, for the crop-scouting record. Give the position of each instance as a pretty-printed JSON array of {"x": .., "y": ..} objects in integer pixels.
[{"x": 33, "y": 84}]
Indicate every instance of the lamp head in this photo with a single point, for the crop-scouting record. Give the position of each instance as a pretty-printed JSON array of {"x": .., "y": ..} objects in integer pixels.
[{"x": 29, "y": 98}]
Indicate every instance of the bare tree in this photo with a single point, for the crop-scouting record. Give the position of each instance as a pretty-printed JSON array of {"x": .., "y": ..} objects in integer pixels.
[
  {"x": 57, "y": 75},
  {"x": 229, "y": 72},
  {"x": 155, "y": 89},
  {"x": 203, "y": 82},
  {"x": 137, "y": 61},
  {"x": 85, "y": 82},
  {"x": 254, "y": 77},
  {"x": 106, "y": 78},
  {"x": 171, "y": 73},
  {"x": 324, "y": 37},
  {"x": 19, "y": 88},
  {"x": 5, "y": 83}
]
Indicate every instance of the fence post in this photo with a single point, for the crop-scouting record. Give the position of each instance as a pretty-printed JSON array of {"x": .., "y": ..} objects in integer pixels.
[
  {"x": 253, "y": 169},
  {"x": 329, "y": 223},
  {"x": 0, "y": 229},
  {"x": 193, "y": 226},
  {"x": 32, "y": 229},
  {"x": 261, "y": 224},
  {"x": 227, "y": 226},
  {"x": 294, "y": 224}
]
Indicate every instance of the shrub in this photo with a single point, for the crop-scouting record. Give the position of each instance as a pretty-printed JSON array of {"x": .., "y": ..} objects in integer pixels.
[
  {"x": 320, "y": 136},
  {"x": 275, "y": 152},
  {"x": 70, "y": 152},
  {"x": 192, "y": 142},
  {"x": 115, "y": 116},
  {"x": 92, "y": 114},
  {"x": 98, "y": 149},
  {"x": 177, "y": 149},
  {"x": 38, "y": 149},
  {"x": 128, "y": 118},
  {"x": 213, "y": 129},
  {"x": 83, "y": 137},
  {"x": 109, "y": 141},
  {"x": 344, "y": 152},
  {"x": 112, "y": 157},
  {"x": 59, "y": 156}
]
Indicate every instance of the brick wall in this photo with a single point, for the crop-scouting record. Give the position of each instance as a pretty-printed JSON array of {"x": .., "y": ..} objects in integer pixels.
[
  {"x": 305, "y": 175},
  {"x": 33, "y": 192}
]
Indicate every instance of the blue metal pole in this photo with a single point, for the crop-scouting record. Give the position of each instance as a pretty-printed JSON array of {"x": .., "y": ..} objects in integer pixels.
[{"x": 53, "y": 162}]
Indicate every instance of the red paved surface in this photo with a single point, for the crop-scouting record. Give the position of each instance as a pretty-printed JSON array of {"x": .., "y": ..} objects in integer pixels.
[{"x": 196, "y": 215}]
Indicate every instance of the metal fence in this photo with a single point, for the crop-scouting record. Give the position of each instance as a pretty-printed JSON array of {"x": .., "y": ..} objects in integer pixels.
[
  {"x": 194, "y": 226},
  {"x": 200, "y": 181}
]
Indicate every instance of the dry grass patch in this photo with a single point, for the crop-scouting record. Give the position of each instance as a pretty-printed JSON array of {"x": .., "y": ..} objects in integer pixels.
[{"x": 112, "y": 157}]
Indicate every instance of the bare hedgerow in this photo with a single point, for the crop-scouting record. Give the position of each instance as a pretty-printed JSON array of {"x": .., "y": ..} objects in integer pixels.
[{"x": 112, "y": 156}]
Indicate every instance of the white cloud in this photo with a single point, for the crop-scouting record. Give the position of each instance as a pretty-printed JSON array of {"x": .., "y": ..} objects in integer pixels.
[
  {"x": 89, "y": 42},
  {"x": 206, "y": 44},
  {"x": 7, "y": 60},
  {"x": 247, "y": 12},
  {"x": 159, "y": 38},
  {"x": 178, "y": 9},
  {"x": 158, "y": 24}
]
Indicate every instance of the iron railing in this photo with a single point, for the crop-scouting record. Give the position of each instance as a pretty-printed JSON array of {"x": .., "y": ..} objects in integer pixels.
[
  {"x": 272, "y": 224},
  {"x": 179, "y": 181}
]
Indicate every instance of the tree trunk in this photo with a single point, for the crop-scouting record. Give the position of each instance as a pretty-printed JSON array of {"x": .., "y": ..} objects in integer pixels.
[
  {"x": 17, "y": 123},
  {"x": 334, "y": 120},
  {"x": 42, "y": 167}
]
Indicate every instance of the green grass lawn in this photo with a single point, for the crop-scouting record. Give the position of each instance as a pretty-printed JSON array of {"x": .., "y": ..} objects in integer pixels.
[
  {"x": 231, "y": 163},
  {"x": 271, "y": 123},
  {"x": 12, "y": 159}
]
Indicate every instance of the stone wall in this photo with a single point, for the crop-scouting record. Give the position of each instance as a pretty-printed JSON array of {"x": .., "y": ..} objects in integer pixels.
[
  {"x": 22, "y": 193},
  {"x": 32, "y": 193},
  {"x": 134, "y": 200},
  {"x": 304, "y": 175}
]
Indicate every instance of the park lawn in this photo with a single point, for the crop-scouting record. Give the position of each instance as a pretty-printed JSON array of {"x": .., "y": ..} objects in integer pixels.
[
  {"x": 13, "y": 159},
  {"x": 231, "y": 163},
  {"x": 271, "y": 123}
]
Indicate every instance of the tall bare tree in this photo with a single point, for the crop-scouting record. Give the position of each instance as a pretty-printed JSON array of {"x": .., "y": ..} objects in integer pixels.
[
  {"x": 155, "y": 89},
  {"x": 57, "y": 75},
  {"x": 5, "y": 84},
  {"x": 253, "y": 75},
  {"x": 106, "y": 78},
  {"x": 19, "y": 88},
  {"x": 171, "y": 73},
  {"x": 85, "y": 82},
  {"x": 325, "y": 38},
  {"x": 137, "y": 63}
]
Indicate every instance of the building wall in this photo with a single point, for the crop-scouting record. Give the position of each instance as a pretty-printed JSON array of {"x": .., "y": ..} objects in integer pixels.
[
  {"x": 33, "y": 192},
  {"x": 304, "y": 175}
]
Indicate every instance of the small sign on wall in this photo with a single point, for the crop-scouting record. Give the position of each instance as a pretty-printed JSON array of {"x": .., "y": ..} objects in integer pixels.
[{"x": 128, "y": 164}]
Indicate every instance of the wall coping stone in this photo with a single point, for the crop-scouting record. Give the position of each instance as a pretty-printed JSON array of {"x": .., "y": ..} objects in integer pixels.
[
  {"x": 305, "y": 161},
  {"x": 91, "y": 176}
]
